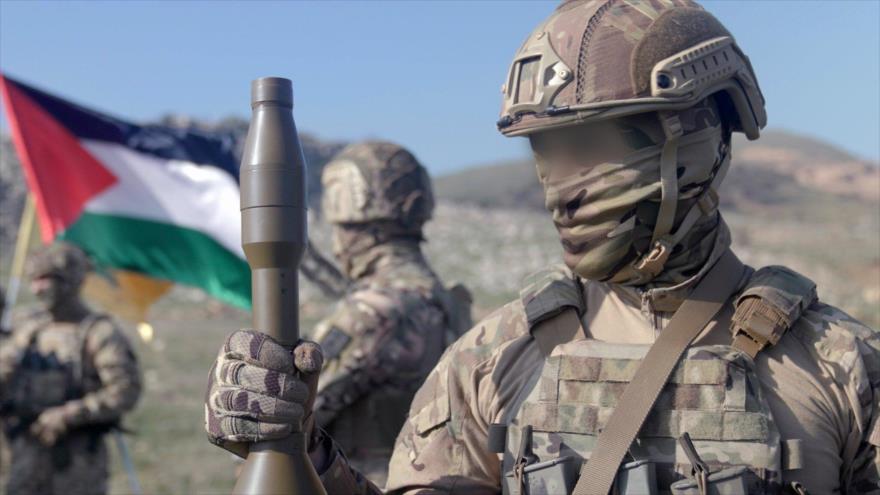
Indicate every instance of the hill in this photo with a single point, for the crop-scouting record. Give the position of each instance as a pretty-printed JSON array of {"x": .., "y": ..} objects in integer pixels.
[{"x": 779, "y": 168}]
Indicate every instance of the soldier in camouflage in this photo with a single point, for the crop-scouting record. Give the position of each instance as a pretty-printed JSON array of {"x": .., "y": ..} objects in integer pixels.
[
  {"x": 66, "y": 377},
  {"x": 629, "y": 107},
  {"x": 387, "y": 333}
]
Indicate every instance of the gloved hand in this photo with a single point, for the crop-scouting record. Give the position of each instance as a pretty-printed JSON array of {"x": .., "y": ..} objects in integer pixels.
[
  {"x": 50, "y": 425},
  {"x": 258, "y": 390}
]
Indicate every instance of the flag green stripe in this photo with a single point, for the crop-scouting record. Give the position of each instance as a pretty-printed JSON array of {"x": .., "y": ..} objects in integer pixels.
[{"x": 164, "y": 251}]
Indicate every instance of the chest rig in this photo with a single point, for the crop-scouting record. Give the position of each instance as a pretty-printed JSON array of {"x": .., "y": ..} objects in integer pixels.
[
  {"x": 710, "y": 430},
  {"x": 53, "y": 368}
]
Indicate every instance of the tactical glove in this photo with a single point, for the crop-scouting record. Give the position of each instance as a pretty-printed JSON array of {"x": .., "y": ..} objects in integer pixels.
[{"x": 258, "y": 390}]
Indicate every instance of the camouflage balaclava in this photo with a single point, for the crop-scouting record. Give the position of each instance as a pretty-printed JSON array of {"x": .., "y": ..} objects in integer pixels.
[
  {"x": 375, "y": 193},
  {"x": 57, "y": 273},
  {"x": 603, "y": 187}
]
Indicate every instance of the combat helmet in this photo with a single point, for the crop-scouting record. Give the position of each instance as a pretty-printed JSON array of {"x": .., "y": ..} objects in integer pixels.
[
  {"x": 62, "y": 260},
  {"x": 593, "y": 60},
  {"x": 377, "y": 181},
  {"x": 598, "y": 59}
]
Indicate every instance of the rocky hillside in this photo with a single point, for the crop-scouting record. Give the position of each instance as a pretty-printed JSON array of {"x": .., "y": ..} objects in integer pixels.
[{"x": 779, "y": 168}]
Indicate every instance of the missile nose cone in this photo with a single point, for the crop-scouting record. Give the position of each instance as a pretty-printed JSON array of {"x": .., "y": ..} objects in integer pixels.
[{"x": 272, "y": 89}]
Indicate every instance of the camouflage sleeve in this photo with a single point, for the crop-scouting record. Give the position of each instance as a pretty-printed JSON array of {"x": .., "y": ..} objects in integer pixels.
[
  {"x": 337, "y": 475},
  {"x": 364, "y": 347},
  {"x": 865, "y": 465},
  {"x": 443, "y": 446},
  {"x": 835, "y": 405},
  {"x": 114, "y": 361}
]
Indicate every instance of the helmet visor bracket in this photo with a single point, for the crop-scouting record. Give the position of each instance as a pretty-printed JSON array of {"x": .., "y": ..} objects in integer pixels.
[{"x": 534, "y": 78}]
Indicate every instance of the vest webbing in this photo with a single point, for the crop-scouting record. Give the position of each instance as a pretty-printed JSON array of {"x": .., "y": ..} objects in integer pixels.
[{"x": 708, "y": 298}]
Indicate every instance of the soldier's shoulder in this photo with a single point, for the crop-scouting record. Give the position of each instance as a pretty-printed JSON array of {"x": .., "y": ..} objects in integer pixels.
[
  {"x": 836, "y": 337},
  {"x": 365, "y": 309},
  {"x": 544, "y": 294},
  {"x": 789, "y": 300},
  {"x": 25, "y": 326},
  {"x": 102, "y": 331},
  {"x": 491, "y": 336}
]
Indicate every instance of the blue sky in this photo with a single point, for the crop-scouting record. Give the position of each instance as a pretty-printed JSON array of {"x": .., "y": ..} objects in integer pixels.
[{"x": 424, "y": 73}]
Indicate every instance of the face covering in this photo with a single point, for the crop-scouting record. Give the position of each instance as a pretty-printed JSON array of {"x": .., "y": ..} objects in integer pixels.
[
  {"x": 602, "y": 186},
  {"x": 355, "y": 245}
]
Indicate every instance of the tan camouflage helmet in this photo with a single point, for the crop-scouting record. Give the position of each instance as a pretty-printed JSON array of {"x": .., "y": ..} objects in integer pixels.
[
  {"x": 375, "y": 181},
  {"x": 61, "y": 260},
  {"x": 598, "y": 59}
]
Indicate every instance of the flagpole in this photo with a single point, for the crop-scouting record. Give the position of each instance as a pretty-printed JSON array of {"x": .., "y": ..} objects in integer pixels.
[{"x": 22, "y": 243}]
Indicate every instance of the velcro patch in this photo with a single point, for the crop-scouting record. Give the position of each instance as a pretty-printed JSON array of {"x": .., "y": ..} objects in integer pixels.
[{"x": 334, "y": 343}]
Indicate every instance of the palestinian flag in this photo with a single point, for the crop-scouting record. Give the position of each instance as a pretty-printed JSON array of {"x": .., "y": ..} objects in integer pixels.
[{"x": 159, "y": 202}]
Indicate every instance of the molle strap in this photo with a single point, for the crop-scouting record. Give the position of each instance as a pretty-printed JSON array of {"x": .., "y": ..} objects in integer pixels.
[
  {"x": 553, "y": 302},
  {"x": 774, "y": 299},
  {"x": 562, "y": 328}
]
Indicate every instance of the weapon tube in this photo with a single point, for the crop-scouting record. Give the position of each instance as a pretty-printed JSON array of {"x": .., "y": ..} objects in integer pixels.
[{"x": 273, "y": 235}]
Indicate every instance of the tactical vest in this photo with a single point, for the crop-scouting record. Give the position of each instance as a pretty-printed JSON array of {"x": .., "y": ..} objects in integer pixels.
[
  {"x": 47, "y": 379},
  {"x": 711, "y": 430}
]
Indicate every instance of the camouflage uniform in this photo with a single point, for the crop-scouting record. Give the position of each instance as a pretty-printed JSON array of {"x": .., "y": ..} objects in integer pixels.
[
  {"x": 629, "y": 106},
  {"x": 66, "y": 377}
]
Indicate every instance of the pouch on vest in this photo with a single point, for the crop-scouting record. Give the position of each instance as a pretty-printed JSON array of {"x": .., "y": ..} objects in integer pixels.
[
  {"x": 558, "y": 476},
  {"x": 713, "y": 394},
  {"x": 772, "y": 301}
]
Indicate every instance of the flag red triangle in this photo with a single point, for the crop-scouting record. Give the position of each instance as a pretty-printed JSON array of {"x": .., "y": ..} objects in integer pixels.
[{"x": 60, "y": 173}]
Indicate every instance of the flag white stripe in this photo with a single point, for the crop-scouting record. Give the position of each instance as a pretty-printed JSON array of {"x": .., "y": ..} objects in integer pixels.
[{"x": 203, "y": 198}]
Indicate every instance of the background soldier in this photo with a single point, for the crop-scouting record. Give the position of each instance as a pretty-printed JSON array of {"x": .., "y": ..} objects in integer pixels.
[
  {"x": 387, "y": 333},
  {"x": 66, "y": 377},
  {"x": 629, "y": 107}
]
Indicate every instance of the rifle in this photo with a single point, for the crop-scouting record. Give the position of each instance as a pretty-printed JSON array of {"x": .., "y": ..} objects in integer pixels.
[{"x": 323, "y": 273}]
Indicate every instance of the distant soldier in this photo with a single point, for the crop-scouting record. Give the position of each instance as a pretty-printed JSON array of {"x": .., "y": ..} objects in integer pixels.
[
  {"x": 66, "y": 377},
  {"x": 391, "y": 328}
]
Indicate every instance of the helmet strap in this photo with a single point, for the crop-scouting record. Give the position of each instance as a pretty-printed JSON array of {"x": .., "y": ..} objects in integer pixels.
[{"x": 652, "y": 263}]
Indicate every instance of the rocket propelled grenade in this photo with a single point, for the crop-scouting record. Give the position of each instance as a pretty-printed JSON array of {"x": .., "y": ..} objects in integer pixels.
[{"x": 274, "y": 236}]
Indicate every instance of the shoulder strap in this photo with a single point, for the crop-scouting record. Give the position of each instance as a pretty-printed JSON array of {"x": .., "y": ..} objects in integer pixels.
[
  {"x": 562, "y": 328},
  {"x": 710, "y": 295}
]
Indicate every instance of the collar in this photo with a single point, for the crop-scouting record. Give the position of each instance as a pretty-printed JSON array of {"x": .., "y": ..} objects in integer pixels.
[
  {"x": 381, "y": 258},
  {"x": 667, "y": 298}
]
